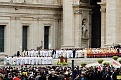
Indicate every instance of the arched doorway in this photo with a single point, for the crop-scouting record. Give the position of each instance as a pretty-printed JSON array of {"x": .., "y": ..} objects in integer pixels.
[{"x": 96, "y": 25}]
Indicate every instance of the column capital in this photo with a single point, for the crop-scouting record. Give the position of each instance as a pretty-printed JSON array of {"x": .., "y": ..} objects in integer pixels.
[{"x": 103, "y": 9}]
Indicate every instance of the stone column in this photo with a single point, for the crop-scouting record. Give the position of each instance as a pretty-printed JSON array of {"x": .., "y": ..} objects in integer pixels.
[
  {"x": 18, "y": 35},
  {"x": 35, "y": 33},
  {"x": 40, "y": 33},
  {"x": 118, "y": 22},
  {"x": 77, "y": 25},
  {"x": 12, "y": 36},
  {"x": 103, "y": 23},
  {"x": 68, "y": 28},
  {"x": 110, "y": 22},
  {"x": 103, "y": 27}
]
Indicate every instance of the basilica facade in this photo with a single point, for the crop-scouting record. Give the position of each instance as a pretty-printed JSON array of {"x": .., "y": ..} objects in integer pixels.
[{"x": 55, "y": 24}]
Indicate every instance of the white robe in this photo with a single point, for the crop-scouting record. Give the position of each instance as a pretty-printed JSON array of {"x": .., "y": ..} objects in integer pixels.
[
  {"x": 14, "y": 60},
  {"x": 37, "y": 60},
  {"x": 26, "y": 60},
  {"x": 33, "y": 60},
  {"x": 41, "y": 53},
  {"x": 50, "y": 53},
  {"x": 10, "y": 60},
  {"x": 17, "y": 60},
  {"x": 30, "y": 60},
  {"x": 67, "y": 52},
  {"x": 40, "y": 60},
  {"x": 5, "y": 61},
  {"x": 49, "y": 60},
  {"x": 43, "y": 60}
]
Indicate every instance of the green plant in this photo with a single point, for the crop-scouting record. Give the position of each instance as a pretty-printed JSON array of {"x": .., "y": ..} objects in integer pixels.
[
  {"x": 64, "y": 63},
  {"x": 120, "y": 61},
  {"x": 115, "y": 57},
  {"x": 83, "y": 64},
  {"x": 106, "y": 63},
  {"x": 100, "y": 60},
  {"x": 58, "y": 63}
]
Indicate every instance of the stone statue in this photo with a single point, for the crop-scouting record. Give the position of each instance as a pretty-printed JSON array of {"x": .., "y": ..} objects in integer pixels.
[{"x": 84, "y": 29}]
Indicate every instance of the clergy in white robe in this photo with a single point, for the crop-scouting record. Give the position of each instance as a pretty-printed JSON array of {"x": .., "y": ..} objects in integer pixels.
[
  {"x": 14, "y": 60},
  {"x": 49, "y": 52},
  {"x": 47, "y": 60},
  {"x": 32, "y": 53},
  {"x": 21, "y": 60},
  {"x": 33, "y": 60},
  {"x": 37, "y": 60},
  {"x": 67, "y": 52},
  {"x": 50, "y": 60},
  {"x": 40, "y": 60},
  {"x": 64, "y": 54},
  {"x": 43, "y": 60},
  {"x": 10, "y": 60},
  {"x": 76, "y": 54},
  {"x": 5, "y": 60},
  {"x": 57, "y": 54},
  {"x": 17, "y": 60},
  {"x": 30, "y": 60},
  {"x": 41, "y": 53},
  {"x": 26, "y": 60}
]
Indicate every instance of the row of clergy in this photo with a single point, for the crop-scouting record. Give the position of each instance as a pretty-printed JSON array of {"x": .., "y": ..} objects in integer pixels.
[
  {"x": 69, "y": 53},
  {"x": 28, "y": 60}
]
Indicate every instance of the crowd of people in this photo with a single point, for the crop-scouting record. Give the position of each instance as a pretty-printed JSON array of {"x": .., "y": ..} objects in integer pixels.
[{"x": 58, "y": 73}]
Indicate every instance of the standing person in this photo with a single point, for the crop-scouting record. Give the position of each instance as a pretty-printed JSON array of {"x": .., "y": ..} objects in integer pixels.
[
  {"x": 18, "y": 53},
  {"x": 16, "y": 77},
  {"x": 74, "y": 52}
]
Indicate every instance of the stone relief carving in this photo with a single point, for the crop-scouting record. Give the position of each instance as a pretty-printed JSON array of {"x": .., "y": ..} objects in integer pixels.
[{"x": 84, "y": 29}]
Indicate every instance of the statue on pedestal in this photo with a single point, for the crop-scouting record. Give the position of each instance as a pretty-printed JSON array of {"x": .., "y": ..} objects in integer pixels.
[{"x": 84, "y": 29}]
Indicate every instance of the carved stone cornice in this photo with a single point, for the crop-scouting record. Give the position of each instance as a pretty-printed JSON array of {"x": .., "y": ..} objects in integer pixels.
[{"x": 49, "y": 6}]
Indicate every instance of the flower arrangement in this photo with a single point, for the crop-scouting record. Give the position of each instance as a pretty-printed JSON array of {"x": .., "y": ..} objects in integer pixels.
[
  {"x": 120, "y": 61},
  {"x": 106, "y": 64},
  {"x": 100, "y": 61},
  {"x": 115, "y": 57}
]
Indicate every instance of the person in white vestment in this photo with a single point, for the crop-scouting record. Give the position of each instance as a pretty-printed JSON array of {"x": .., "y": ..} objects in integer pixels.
[
  {"x": 5, "y": 60},
  {"x": 32, "y": 60},
  {"x": 21, "y": 60},
  {"x": 23, "y": 53},
  {"x": 64, "y": 54},
  {"x": 10, "y": 60},
  {"x": 57, "y": 54},
  {"x": 41, "y": 53},
  {"x": 32, "y": 53},
  {"x": 36, "y": 53},
  {"x": 50, "y": 60},
  {"x": 37, "y": 60},
  {"x": 40, "y": 60},
  {"x": 49, "y": 52},
  {"x": 47, "y": 60},
  {"x": 43, "y": 60},
  {"x": 76, "y": 53},
  {"x": 17, "y": 60},
  {"x": 67, "y": 52},
  {"x": 26, "y": 60}
]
